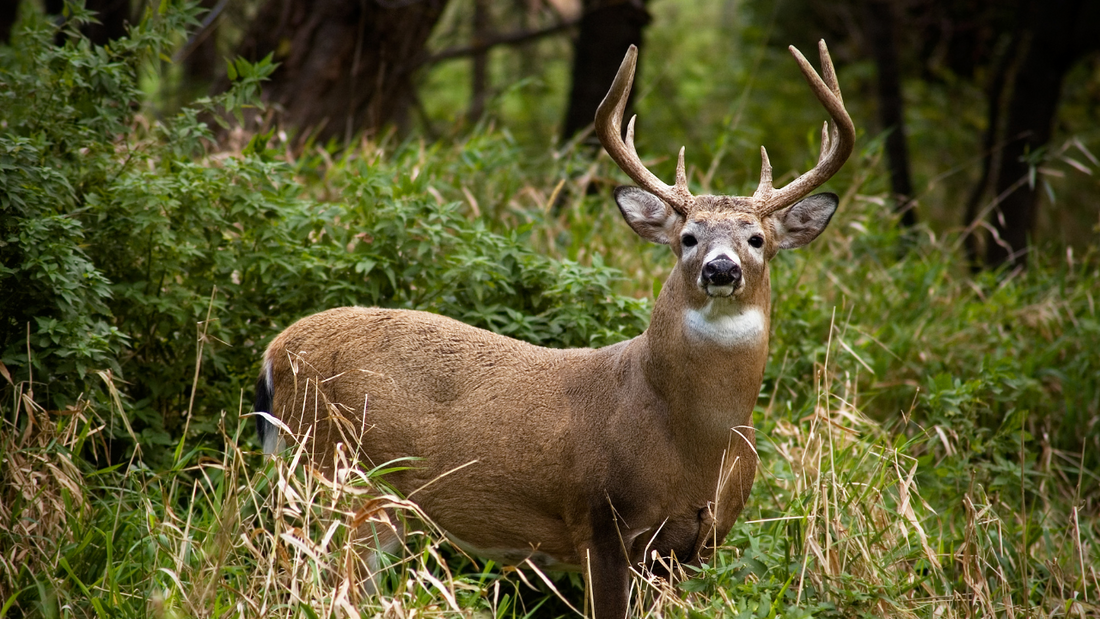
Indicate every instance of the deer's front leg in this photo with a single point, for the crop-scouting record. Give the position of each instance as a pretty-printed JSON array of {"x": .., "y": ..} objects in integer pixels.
[
  {"x": 608, "y": 578},
  {"x": 606, "y": 562}
]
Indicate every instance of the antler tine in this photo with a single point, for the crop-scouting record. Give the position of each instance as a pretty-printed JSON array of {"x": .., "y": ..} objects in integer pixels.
[
  {"x": 825, "y": 142},
  {"x": 836, "y": 145},
  {"x": 630, "y": 148},
  {"x": 681, "y": 173},
  {"x": 828, "y": 72},
  {"x": 765, "y": 172},
  {"x": 609, "y": 118}
]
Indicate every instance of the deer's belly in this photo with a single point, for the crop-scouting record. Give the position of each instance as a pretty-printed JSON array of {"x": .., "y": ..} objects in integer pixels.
[{"x": 516, "y": 556}]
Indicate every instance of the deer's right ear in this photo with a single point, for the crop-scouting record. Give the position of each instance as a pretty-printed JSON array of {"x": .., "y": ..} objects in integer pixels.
[{"x": 647, "y": 214}]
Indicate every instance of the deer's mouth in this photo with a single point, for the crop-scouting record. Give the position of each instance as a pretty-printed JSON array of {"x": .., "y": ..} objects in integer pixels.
[{"x": 720, "y": 291}]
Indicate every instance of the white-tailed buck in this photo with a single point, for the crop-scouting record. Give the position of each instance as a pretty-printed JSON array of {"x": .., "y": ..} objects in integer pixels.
[{"x": 598, "y": 460}]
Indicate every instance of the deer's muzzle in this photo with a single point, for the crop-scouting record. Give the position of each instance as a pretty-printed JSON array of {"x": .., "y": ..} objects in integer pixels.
[{"x": 722, "y": 272}]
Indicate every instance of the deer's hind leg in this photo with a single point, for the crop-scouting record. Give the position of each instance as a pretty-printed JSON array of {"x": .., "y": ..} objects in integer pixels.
[{"x": 376, "y": 531}]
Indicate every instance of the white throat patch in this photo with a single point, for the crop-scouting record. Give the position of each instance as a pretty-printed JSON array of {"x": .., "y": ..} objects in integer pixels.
[{"x": 739, "y": 329}]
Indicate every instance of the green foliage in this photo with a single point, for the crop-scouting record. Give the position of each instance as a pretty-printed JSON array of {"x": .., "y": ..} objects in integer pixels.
[
  {"x": 129, "y": 248},
  {"x": 975, "y": 356},
  {"x": 407, "y": 249},
  {"x": 989, "y": 382},
  {"x": 62, "y": 109}
]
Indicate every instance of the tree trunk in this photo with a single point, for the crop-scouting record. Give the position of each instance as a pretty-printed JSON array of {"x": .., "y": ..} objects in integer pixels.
[
  {"x": 879, "y": 20},
  {"x": 1032, "y": 107},
  {"x": 607, "y": 29},
  {"x": 112, "y": 15},
  {"x": 479, "y": 86},
  {"x": 991, "y": 155},
  {"x": 345, "y": 65},
  {"x": 201, "y": 65},
  {"x": 9, "y": 11}
]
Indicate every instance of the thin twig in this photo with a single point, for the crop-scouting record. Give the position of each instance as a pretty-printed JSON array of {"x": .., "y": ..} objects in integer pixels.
[
  {"x": 512, "y": 38},
  {"x": 198, "y": 367}
]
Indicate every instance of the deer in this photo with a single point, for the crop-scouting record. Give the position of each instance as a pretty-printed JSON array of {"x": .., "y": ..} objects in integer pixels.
[{"x": 604, "y": 460}]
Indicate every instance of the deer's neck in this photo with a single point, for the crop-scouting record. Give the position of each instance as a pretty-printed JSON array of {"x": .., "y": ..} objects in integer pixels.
[{"x": 705, "y": 357}]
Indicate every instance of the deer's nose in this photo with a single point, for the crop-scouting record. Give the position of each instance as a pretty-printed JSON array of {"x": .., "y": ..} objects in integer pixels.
[{"x": 721, "y": 272}]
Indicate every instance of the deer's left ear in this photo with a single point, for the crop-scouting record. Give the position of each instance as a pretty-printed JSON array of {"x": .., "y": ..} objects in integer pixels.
[
  {"x": 647, "y": 214},
  {"x": 801, "y": 222}
]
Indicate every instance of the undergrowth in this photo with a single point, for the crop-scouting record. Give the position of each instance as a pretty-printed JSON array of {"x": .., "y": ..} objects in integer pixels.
[
  {"x": 128, "y": 246},
  {"x": 928, "y": 436}
]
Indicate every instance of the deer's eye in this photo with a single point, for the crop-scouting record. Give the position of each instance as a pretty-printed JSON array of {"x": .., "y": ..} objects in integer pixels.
[
  {"x": 689, "y": 241},
  {"x": 756, "y": 240}
]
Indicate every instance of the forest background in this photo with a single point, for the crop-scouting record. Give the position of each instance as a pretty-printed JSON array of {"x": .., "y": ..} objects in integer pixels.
[{"x": 180, "y": 181}]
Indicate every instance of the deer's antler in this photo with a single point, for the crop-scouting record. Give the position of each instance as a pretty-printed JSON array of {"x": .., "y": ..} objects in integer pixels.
[
  {"x": 609, "y": 128},
  {"x": 836, "y": 145}
]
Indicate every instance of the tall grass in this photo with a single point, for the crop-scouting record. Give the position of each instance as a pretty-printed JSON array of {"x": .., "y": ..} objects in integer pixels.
[{"x": 914, "y": 462}]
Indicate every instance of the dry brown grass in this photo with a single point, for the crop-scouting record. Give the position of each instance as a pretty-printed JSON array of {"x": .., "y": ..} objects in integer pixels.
[{"x": 40, "y": 486}]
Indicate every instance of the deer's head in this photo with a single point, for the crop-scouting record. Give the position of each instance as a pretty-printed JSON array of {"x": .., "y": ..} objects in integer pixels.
[{"x": 724, "y": 243}]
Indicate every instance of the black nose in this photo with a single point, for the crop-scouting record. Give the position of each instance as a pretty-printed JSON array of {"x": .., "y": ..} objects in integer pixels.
[{"x": 721, "y": 272}]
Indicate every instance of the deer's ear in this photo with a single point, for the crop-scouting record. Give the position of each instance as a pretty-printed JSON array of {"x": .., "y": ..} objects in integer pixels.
[
  {"x": 801, "y": 222},
  {"x": 647, "y": 214}
]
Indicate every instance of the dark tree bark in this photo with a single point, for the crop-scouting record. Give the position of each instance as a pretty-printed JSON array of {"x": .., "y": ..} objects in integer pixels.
[
  {"x": 479, "y": 87},
  {"x": 201, "y": 64},
  {"x": 345, "y": 65},
  {"x": 112, "y": 15},
  {"x": 879, "y": 21},
  {"x": 991, "y": 155},
  {"x": 1061, "y": 32},
  {"x": 9, "y": 11},
  {"x": 607, "y": 29}
]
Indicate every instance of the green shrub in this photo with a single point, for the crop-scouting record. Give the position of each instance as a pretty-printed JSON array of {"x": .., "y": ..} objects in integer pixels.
[
  {"x": 131, "y": 248},
  {"x": 970, "y": 360}
]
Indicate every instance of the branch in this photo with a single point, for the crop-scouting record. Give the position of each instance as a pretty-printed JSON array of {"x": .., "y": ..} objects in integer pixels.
[
  {"x": 201, "y": 34},
  {"x": 512, "y": 38}
]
